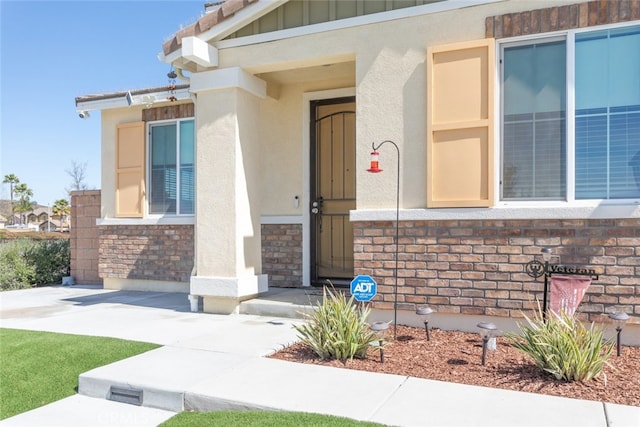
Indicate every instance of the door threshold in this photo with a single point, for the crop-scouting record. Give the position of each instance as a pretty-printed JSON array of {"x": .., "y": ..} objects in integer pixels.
[{"x": 337, "y": 283}]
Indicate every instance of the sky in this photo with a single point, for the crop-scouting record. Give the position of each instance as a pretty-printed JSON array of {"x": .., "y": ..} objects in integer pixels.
[{"x": 53, "y": 51}]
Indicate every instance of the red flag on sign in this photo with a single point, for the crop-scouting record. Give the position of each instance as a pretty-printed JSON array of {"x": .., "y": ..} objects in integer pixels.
[{"x": 567, "y": 292}]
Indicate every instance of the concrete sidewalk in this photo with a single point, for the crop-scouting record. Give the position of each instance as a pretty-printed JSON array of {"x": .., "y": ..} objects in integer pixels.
[{"x": 210, "y": 362}]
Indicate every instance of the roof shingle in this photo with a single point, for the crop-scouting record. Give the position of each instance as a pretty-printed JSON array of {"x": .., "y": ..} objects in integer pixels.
[{"x": 207, "y": 22}]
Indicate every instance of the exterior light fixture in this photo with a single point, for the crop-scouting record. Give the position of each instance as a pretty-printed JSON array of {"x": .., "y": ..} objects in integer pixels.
[
  {"x": 546, "y": 256},
  {"x": 537, "y": 269},
  {"x": 487, "y": 331},
  {"x": 619, "y": 320},
  {"x": 375, "y": 168},
  {"x": 425, "y": 313},
  {"x": 380, "y": 328}
]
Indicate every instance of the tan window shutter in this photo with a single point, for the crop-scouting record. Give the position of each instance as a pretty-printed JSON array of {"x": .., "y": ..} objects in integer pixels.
[
  {"x": 130, "y": 161},
  {"x": 460, "y": 146}
]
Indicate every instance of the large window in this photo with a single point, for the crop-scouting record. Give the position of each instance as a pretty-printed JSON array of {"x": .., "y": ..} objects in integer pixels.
[
  {"x": 171, "y": 168},
  {"x": 600, "y": 159},
  {"x": 608, "y": 114}
]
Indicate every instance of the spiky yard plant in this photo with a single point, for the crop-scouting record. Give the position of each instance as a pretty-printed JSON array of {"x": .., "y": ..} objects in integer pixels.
[
  {"x": 337, "y": 328},
  {"x": 563, "y": 346}
]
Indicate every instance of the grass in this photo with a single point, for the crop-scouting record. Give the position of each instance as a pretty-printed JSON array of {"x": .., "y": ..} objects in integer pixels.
[
  {"x": 260, "y": 419},
  {"x": 41, "y": 367}
]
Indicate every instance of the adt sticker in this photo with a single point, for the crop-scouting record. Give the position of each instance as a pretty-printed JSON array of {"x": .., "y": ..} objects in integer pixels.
[{"x": 363, "y": 288}]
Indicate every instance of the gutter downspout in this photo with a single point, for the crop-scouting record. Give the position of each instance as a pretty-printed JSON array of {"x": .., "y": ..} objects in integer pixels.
[{"x": 181, "y": 76}]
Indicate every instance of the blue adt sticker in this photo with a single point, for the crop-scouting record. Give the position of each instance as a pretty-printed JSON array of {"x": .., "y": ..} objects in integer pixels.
[{"x": 363, "y": 288}]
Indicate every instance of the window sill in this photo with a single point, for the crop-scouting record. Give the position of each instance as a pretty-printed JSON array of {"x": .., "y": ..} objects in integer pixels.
[
  {"x": 158, "y": 220},
  {"x": 503, "y": 212}
]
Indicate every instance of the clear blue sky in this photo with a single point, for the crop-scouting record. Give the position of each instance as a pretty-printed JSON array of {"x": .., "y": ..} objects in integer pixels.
[{"x": 51, "y": 52}]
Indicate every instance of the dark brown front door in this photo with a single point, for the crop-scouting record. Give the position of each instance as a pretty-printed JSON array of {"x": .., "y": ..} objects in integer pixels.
[{"x": 333, "y": 189}]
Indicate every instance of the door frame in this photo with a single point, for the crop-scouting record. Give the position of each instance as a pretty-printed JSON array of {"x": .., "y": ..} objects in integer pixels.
[{"x": 309, "y": 97}]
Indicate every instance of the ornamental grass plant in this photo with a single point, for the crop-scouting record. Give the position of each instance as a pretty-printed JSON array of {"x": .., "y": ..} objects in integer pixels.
[
  {"x": 337, "y": 328},
  {"x": 563, "y": 346}
]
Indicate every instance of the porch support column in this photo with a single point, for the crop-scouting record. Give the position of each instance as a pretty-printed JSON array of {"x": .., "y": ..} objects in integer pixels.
[{"x": 227, "y": 234}]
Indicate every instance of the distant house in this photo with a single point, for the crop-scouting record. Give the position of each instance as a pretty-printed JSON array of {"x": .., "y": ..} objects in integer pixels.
[
  {"x": 39, "y": 214},
  {"x": 515, "y": 124},
  {"x": 51, "y": 225},
  {"x": 37, "y": 219},
  {"x": 3, "y": 221}
]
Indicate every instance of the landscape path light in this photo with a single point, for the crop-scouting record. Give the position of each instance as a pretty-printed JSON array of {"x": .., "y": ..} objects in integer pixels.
[
  {"x": 425, "y": 313},
  {"x": 380, "y": 328},
  {"x": 487, "y": 331},
  {"x": 619, "y": 320},
  {"x": 375, "y": 168}
]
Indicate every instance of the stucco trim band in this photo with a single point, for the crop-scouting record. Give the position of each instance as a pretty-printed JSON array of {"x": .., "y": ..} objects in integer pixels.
[
  {"x": 229, "y": 287},
  {"x": 226, "y": 78}
]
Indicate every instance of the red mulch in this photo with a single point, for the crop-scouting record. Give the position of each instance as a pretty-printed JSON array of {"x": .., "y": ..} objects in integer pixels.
[{"x": 456, "y": 357}]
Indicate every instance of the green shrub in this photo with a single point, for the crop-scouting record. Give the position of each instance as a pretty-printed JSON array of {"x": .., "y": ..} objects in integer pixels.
[
  {"x": 563, "y": 346},
  {"x": 337, "y": 328},
  {"x": 51, "y": 259},
  {"x": 15, "y": 270},
  {"x": 25, "y": 262}
]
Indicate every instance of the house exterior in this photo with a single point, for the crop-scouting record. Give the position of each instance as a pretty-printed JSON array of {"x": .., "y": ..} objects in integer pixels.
[
  {"x": 39, "y": 218},
  {"x": 517, "y": 127}
]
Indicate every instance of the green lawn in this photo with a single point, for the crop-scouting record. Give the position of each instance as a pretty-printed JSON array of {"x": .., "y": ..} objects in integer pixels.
[
  {"x": 260, "y": 419},
  {"x": 41, "y": 367}
]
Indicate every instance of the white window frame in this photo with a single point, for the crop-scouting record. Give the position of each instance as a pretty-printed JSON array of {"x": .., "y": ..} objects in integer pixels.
[
  {"x": 570, "y": 200},
  {"x": 149, "y": 169}
]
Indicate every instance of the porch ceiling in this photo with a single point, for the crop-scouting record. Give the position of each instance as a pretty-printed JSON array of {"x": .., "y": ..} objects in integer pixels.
[{"x": 343, "y": 71}]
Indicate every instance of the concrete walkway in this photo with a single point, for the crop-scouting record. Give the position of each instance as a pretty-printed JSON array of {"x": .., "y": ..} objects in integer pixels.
[{"x": 210, "y": 362}]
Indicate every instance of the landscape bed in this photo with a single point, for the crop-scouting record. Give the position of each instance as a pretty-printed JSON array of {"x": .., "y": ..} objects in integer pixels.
[{"x": 455, "y": 357}]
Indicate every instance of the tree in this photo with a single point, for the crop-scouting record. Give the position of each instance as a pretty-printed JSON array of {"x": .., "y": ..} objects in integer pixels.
[
  {"x": 78, "y": 173},
  {"x": 24, "y": 195},
  {"x": 12, "y": 180},
  {"x": 61, "y": 209}
]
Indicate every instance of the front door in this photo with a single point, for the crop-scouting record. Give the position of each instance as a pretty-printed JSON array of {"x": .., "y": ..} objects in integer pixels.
[{"x": 333, "y": 189}]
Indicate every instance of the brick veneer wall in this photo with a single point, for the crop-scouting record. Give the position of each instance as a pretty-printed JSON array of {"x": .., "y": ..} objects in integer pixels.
[
  {"x": 150, "y": 252},
  {"x": 571, "y": 16},
  {"x": 282, "y": 254},
  {"x": 478, "y": 266},
  {"x": 85, "y": 209}
]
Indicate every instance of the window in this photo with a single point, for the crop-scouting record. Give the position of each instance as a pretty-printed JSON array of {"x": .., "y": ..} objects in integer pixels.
[
  {"x": 171, "y": 168},
  {"x": 600, "y": 159},
  {"x": 608, "y": 114}
]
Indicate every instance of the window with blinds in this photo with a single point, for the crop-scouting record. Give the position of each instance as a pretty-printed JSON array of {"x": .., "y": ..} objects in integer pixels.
[
  {"x": 534, "y": 122},
  {"x": 171, "y": 148},
  {"x": 600, "y": 160},
  {"x": 607, "y": 91}
]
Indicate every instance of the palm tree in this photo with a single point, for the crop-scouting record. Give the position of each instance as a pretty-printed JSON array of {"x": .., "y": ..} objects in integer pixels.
[
  {"x": 11, "y": 179},
  {"x": 24, "y": 194},
  {"x": 61, "y": 208}
]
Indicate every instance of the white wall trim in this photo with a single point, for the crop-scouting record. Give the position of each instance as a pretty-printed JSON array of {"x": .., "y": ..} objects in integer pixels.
[
  {"x": 225, "y": 78},
  {"x": 176, "y": 220},
  {"x": 497, "y": 213}
]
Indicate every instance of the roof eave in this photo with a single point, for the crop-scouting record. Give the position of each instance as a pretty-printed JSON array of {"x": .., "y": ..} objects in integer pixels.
[
  {"x": 230, "y": 17},
  {"x": 130, "y": 98}
]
